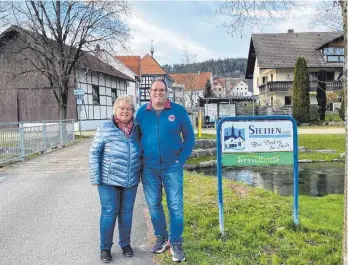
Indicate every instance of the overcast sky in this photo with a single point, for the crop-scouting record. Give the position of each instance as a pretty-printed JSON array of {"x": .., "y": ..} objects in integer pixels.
[{"x": 174, "y": 25}]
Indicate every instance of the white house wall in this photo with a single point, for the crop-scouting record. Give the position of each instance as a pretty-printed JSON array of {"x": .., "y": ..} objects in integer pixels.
[
  {"x": 286, "y": 75},
  {"x": 241, "y": 89},
  {"x": 93, "y": 115},
  {"x": 255, "y": 78},
  {"x": 132, "y": 88}
]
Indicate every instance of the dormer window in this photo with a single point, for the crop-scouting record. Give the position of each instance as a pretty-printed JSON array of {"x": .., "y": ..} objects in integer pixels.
[{"x": 334, "y": 54}]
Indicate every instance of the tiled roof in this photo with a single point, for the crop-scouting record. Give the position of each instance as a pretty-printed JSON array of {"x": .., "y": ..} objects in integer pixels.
[
  {"x": 192, "y": 81},
  {"x": 281, "y": 50},
  {"x": 132, "y": 62},
  {"x": 87, "y": 60},
  {"x": 220, "y": 80},
  {"x": 149, "y": 66}
]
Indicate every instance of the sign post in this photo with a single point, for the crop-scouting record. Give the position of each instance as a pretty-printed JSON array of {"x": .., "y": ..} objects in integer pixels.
[
  {"x": 257, "y": 141},
  {"x": 200, "y": 124},
  {"x": 79, "y": 94}
]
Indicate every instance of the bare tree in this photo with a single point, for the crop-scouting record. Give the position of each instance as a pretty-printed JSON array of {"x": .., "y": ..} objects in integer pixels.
[
  {"x": 192, "y": 81},
  {"x": 328, "y": 14},
  {"x": 189, "y": 58},
  {"x": 248, "y": 13},
  {"x": 240, "y": 14},
  {"x": 192, "y": 78},
  {"x": 59, "y": 33}
]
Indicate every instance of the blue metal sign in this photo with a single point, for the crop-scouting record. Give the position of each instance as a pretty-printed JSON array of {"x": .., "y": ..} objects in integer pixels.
[
  {"x": 79, "y": 92},
  {"x": 241, "y": 151}
]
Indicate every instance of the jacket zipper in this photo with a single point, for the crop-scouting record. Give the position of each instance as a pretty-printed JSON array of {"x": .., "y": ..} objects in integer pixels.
[
  {"x": 128, "y": 141},
  {"x": 158, "y": 133},
  {"x": 128, "y": 160}
]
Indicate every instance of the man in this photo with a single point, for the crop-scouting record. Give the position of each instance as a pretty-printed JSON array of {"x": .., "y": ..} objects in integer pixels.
[{"x": 167, "y": 139}]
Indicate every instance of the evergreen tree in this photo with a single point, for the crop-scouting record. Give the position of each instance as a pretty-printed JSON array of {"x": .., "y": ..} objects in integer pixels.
[
  {"x": 228, "y": 67},
  {"x": 208, "y": 93},
  {"x": 321, "y": 94},
  {"x": 342, "y": 111},
  {"x": 300, "y": 91}
]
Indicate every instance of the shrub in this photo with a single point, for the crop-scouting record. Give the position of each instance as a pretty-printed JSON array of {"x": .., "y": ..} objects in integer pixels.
[
  {"x": 314, "y": 112},
  {"x": 300, "y": 92}
]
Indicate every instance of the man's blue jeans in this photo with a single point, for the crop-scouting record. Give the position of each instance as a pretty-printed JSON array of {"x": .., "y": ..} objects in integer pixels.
[
  {"x": 171, "y": 179},
  {"x": 116, "y": 202}
]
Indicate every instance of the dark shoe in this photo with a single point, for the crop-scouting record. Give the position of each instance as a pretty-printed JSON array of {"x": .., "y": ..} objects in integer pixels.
[
  {"x": 177, "y": 253},
  {"x": 160, "y": 246},
  {"x": 105, "y": 256},
  {"x": 127, "y": 251}
]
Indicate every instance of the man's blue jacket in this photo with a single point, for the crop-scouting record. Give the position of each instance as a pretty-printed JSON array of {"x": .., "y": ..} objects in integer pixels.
[{"x": 167, "y": 138}]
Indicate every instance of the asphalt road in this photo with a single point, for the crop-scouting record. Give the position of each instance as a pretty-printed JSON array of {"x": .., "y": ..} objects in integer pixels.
[{"x": 49, "y": 213}]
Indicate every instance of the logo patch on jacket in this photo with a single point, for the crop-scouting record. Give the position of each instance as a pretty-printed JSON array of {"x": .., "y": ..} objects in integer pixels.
[{"x": 171, "y": 118}]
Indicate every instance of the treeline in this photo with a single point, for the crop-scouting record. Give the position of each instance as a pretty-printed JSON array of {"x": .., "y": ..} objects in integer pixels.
[{"x": 228, "y": 67}]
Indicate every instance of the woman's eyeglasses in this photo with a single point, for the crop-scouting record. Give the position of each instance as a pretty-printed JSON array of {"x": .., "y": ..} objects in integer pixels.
[{"x": 124, "y": 108}]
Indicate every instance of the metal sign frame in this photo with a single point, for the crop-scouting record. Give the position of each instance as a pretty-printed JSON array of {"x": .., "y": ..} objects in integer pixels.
[
  {"x": 219, "y": 163},
  {"x": 79, "y": 94}
]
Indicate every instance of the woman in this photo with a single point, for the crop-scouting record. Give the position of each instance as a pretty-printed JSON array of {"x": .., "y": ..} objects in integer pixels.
[{"x": 114, "y": 164}]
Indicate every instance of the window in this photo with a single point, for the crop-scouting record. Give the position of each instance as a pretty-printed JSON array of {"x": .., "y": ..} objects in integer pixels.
[
  {"x": 334, "y": 54},
  {"x": 264, "y": 80},
  {"x": 271, "y": 77},
  {"x": 313, "y": 76},
  {"x": 95, "y": 95},
  {"x": 330, "y": 76},
  {"x": 287, "y": 100},
  {"x": 113, "y": 95},
  {"x": 145, "y": 88}
]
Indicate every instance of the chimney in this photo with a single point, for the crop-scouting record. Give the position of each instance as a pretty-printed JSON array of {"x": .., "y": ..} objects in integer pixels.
[
  {"x": 290, "y": 30},
  {"x": 152, "y": 50},
  {"x": 199, "y": 72},
  {"x": 97, "y": 48}
]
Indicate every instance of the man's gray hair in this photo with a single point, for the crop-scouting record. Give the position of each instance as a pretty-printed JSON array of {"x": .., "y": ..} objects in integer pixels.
[
  {"x": 127, "y": 98},
  {"x": 159, "y": 79}
]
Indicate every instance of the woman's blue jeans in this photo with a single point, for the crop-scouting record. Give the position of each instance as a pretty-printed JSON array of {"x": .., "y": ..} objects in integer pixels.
[
  {"x": 116, "y": 202},
  {"x": 171, "y": 178}
]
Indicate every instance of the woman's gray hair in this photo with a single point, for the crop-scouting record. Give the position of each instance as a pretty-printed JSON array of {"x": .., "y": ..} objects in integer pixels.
[{"x": 127, "y": 98}]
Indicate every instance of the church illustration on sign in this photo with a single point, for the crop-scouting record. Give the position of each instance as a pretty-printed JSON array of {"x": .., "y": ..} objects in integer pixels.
[{"x": 234, "y": 139}]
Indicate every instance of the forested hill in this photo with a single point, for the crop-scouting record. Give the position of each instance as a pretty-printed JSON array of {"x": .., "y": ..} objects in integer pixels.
[{"x": 229, "y": 67}]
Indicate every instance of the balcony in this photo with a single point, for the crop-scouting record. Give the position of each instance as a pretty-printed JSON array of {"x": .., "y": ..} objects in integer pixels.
[{"x": 285, "y": 86}]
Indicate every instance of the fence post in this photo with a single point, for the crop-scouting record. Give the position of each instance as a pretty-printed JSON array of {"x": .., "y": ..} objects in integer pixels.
[
  {"x": 61, "y": 132},
  {"x": 45, "y": 136},
  {"x": 21, "y": 138}
]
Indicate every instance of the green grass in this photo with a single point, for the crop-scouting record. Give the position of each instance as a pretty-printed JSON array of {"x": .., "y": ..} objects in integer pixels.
[
  {"x": 322, "y": 141},
  {"x": 332, "y": 117},
  {"x": 197, "y": 160},
  {"x": 82, "y": 137},
  {"x": 258, "y": 226},
  {"x": 309, "y": 141}
]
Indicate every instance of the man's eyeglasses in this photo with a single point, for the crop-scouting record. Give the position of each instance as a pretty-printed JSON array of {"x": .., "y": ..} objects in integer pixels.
[
  {"x": 124, "y": 108},
  {"x": 158, "y": 90}
]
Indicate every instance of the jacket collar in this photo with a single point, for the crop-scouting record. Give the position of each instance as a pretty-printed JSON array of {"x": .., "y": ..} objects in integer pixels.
[{"x": 166, "y": 105}]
